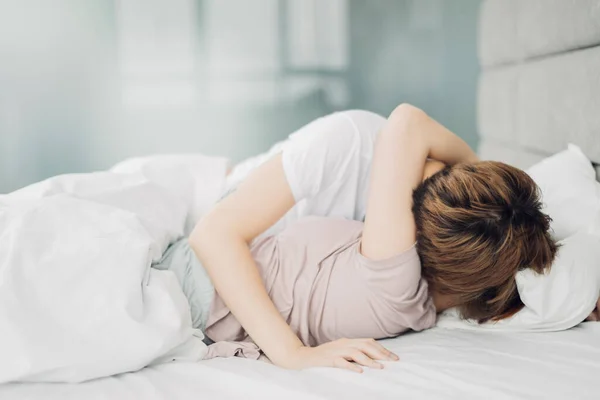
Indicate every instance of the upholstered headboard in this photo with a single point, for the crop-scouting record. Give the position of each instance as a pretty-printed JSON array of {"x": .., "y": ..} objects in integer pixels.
[{"x": 540, "y": 79}]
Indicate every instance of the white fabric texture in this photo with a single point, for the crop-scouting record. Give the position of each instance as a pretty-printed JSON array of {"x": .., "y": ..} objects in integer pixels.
[
  {"x": 558, "y": 300},
  {"x": 570, "y": 192},
  {"x": 434, "y": 364},
  {"x": 78, "y": 299},
  {"x": 565, "y": 296},
  {"x": 327, "y": 164},
  {"x": 194, "y": 179}
]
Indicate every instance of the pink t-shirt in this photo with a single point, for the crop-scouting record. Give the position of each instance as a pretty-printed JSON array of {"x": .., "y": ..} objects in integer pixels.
[{"x": 326, "y": 290}]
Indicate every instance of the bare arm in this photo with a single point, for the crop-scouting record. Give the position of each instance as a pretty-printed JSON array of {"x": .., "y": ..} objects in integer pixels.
[
  {"x": 221, "y": 239},
  {"x": 402, "y": 148}
]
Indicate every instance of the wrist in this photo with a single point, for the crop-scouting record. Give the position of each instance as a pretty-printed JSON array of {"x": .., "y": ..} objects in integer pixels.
[
  {"x": 297, "y": 358},
  {"x": 289, "y": 357}
]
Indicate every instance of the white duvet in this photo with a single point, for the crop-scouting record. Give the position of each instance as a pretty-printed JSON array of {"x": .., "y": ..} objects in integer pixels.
[{"x": 78, "y": 299}]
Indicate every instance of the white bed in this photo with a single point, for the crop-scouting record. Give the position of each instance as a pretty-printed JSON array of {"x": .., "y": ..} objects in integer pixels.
[
  {"x": 539, "y": 90},
  {"x": 437, "y": 364}
]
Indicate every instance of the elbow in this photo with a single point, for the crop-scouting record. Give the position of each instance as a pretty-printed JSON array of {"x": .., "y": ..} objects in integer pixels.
[
  {"x": 203, "y": 236},
  {"x": 407, "y": 112},
  {"x": 406, "y": 121},
  {"x": 213, "y": 235},
  {"x": 199, "y": 238}
]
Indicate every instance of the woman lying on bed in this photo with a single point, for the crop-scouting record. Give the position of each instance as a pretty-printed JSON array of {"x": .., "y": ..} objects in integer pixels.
[{"x": 315, "y": 291}]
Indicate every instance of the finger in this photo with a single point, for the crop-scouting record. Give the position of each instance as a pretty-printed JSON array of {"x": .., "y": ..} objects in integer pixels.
[
  {"x": 345, "y": 364},
  {"x": 379, "y": 347},
  {"x": 376, "y": 351},
  {"x": 362, "y": 359}
]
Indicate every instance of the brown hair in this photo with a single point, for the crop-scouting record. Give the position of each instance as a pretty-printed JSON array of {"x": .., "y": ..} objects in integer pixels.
[{"x": 477, "y": 225}]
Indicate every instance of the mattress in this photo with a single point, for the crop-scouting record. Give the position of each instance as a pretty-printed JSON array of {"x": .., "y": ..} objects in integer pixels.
[{"x": 435, "y": 364}]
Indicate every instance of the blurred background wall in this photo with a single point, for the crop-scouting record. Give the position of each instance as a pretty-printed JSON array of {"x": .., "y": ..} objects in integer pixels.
[{"x": 84, "y": 84}]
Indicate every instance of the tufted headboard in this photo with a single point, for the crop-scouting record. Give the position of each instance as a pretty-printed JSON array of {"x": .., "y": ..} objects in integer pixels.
[{"x": 539, "y": 87}]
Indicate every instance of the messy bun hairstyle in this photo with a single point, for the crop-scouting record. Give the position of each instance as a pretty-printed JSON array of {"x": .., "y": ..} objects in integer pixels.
[{"x": 477, "y": 225}]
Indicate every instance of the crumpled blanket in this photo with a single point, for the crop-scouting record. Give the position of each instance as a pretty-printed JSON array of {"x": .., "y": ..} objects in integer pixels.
[{"x": 78, "y": 299}]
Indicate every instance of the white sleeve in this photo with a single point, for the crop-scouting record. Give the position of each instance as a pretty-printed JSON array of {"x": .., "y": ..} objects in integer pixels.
[{"x": 318, "y": 154}]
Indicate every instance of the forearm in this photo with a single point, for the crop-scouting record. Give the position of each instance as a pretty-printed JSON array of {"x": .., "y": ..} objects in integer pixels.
[
  {"x": 229, "y": 264},
  {"x": 220, "y": 241},
  {"x": 443, "y": 145}
]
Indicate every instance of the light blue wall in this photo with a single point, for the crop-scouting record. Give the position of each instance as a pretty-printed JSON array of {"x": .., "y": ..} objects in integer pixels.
[
  {"x": 62, "y": 84},
  {"x": 58, "y": 87},
  {"x": 417, "y": 51}
]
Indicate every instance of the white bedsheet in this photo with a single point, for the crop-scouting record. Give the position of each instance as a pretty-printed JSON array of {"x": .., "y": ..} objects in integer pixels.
[{"x": 436, "y": 364}]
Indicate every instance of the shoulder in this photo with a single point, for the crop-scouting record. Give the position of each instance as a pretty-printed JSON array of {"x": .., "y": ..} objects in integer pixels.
[
  {"x": 339, "y": 128},
  {"x": 408, "y": 259},
  {"x": 365, "y": 122},
  {"x": 398, "y": 292},
  {"x": 327, "y": 149}
]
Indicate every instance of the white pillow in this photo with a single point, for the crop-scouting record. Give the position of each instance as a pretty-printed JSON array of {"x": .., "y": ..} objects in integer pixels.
[
  {"x": 558, "y": 300},
  {"x": 565, "y": 296},
  {"x": 570, "y": 192},
  {"x": 568, "y": 293}
]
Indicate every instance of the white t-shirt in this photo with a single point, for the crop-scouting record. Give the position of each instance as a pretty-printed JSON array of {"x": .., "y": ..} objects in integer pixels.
[{"x": 327, "y": 164}]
